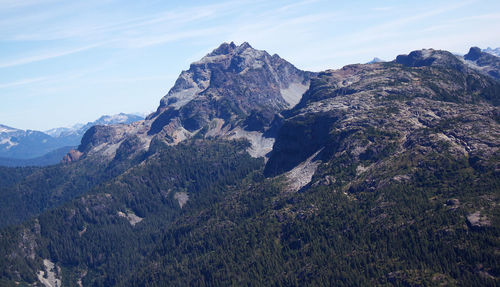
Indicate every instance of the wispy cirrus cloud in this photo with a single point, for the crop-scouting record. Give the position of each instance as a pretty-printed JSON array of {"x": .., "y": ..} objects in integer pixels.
[
  {"x": 394, "y": 27},
  {"x": 143, "y": 39},
  {"x": 7, "y": 5},
  {"x": 297, "y": 5},
  {"x": 102, "y": 25},
  {"x": 22, "y": 82},
  {"x": 46, "y": 56}
]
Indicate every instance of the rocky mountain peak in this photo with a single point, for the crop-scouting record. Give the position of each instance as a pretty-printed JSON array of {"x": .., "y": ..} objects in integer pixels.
[
  {"x": 429, "y": 57},
  {"x": 474, "y": 54},
  {"x": 223, "y": 49},
  {"x": 233, "y": 61},
  {"x": 229, "y": 49},
  {"x": 234, "y": 91}
]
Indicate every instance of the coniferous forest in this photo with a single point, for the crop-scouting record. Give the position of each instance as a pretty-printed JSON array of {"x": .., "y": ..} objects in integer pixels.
[{"x": 382, "y": 174}]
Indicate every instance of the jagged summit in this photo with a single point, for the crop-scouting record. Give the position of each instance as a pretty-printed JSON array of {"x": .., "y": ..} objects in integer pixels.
[
  {"x": 229, "y": 48},
  {"x": 224, "y": 48},
  {"x": 233, "y": 92},
  {"x": 230, "y": 60}
]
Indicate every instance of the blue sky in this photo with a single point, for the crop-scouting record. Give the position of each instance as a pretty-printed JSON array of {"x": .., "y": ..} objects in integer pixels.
[{"x": 65, "y": 62}]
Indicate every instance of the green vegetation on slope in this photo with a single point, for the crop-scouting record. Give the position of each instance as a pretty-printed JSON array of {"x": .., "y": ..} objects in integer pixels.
[{"x": 406, "y": 192}]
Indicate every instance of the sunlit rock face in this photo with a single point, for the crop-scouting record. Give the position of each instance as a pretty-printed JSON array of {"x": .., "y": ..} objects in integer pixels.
[{"x": 233, "y": 92}]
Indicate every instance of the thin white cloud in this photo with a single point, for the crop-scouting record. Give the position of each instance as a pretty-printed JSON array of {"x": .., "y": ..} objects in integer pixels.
[
  {"x": 46, "y": 56},
  {"x": 9, "y": 4},
  {"x": 151, "y": 40},
  {"x": 134, "y": 79},
  {"x": 103, "y": 26},
  {"x": 398, "y": 23},
  {"x": 21, "y": 82},
  {"x": 297, "y": 5},
  {"x": 483, "y": 17},
  {"x": 391, "y": 29}
]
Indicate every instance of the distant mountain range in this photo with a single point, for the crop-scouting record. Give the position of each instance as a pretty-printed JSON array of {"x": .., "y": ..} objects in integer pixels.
[
  {"x": 495, "y": 51},
  {"x": 483, "y": 62},
  {"x": 28, "y": 147},
  {"x": 375, "y": 60}
]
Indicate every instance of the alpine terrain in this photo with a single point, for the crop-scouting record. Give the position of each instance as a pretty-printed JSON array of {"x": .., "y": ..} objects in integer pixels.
[
  {"x": 36, "y": 148},
  {"x": 252, "y": 172}
]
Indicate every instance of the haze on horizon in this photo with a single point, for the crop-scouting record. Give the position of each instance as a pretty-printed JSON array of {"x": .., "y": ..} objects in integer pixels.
[{"x": 64, "y": 62}]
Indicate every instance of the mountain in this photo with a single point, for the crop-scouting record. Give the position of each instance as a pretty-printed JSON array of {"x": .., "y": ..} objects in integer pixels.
[
  {"x": 52, "y": 157},
  {"x": 483, "y": 62},
  {"x": 382, "y": 174},
  {"x": 15, "y": 143},
  {"x": 6, "y": 129},
  {"x": 19, "y": 147},
  {"x": 80, "y": 129},
  {"x": 233, "y": 92},
  {"x": 375, "y": 60},
  {"x": 373, "y": 111},
  {"x": 495, "y": 52}
]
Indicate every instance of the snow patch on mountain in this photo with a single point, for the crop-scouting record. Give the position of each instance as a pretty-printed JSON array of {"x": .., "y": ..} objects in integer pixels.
[
  {"x": 80, "y": 129},
  {"x": 6, "y": 129},
  {"x": 58, "y": 132},
  {"x": 8, "y": 142}
]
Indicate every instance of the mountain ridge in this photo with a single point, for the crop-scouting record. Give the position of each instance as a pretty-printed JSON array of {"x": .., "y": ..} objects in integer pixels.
[
  {"x": 383, "y": 174},
  {"x": 232, "y": 92},
  {"x": 19, "y": 147}
]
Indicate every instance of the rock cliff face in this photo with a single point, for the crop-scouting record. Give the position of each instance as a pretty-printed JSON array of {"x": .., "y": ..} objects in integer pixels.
[{"x": 233, "y": 92}]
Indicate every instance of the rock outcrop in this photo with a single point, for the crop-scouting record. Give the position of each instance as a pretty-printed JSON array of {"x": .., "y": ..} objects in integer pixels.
[{"x": 427, "y": 101}]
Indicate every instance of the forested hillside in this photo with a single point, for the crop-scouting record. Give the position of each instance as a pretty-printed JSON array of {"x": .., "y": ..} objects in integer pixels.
[{"x": 383, "y": 174}]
